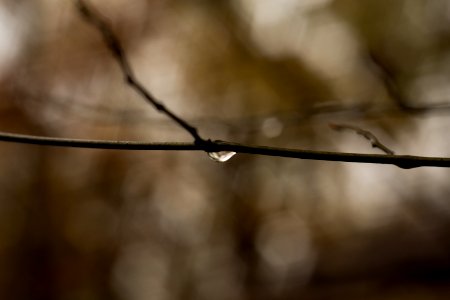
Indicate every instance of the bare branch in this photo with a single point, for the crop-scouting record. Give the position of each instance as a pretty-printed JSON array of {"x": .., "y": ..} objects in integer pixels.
[
  {"x": 366, "y": 134},
  {"x": 200, "y": 144},
  {"x": 113, "y": 44},
  {"x": 389, "y": 79},
  {"x": 402, "y": 161}
]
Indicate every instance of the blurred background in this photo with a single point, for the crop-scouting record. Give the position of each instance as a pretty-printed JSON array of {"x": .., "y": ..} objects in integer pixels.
[{"x": 104, "y": 224}]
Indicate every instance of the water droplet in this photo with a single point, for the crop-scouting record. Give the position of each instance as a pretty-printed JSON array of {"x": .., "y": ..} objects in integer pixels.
[{"x": 221, "y": 156}]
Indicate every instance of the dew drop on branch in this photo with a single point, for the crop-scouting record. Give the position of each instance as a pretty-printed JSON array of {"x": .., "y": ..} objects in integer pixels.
[{"x": 221, "y": 156}]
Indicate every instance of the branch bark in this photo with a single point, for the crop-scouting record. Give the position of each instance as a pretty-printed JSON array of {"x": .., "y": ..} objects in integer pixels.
[{"x": 402, "y": 161}]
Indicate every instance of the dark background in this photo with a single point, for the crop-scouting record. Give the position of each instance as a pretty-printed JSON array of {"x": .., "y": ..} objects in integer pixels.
[{"x": 106, "y": 224}]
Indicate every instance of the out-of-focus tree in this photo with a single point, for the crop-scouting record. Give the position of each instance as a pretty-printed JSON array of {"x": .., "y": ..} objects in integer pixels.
[{"x": 109, "y": 224}]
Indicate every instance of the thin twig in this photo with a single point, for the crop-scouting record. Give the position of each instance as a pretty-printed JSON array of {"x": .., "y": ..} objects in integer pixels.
[
  {"x": 402, "y": 161},
  {"x": 249, "y": 123},
  {"x": 113, "y": 44},
  {"x": 364, "y": 133},
  {"x": 92, "y": 144},
  {"x": 390, "y": 81}
]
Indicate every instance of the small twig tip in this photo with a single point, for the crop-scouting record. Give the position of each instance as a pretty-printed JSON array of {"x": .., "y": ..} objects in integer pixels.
[{"x": 364, "y": 133}]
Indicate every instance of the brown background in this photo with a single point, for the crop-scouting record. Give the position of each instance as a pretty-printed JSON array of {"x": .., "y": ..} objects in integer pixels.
[{"x": 105, "y": 224}]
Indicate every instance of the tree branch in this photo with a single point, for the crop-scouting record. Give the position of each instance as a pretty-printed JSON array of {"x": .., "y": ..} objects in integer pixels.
[
  {"x": 402, "y": 161},
  {"x": 389, "y": 79},
  {"x": 366, "y": 134},
  {"x": 200, "y": 144},
  {"x": 113, "y": 44}
]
